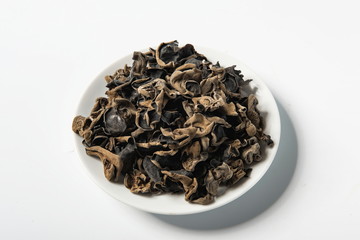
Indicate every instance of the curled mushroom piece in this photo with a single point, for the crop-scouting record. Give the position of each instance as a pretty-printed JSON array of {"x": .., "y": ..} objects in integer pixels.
[
  {"x": 78, "y": 124},
  {"x": 139, "y": 63},
  {"x": 195, "y": 155},
  {"x": 138, "y": 182},
  {"x": 112, "y": 162},
  {"x": 172, "y": 121},
  {"x": 252, "y": 152}
]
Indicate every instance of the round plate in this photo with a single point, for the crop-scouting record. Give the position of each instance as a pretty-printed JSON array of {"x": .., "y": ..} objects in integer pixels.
[{"x": 175, "y": 204}]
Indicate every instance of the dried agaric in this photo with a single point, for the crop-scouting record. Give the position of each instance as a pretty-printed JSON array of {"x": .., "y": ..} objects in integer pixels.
[{"x": 175, "y": 122}]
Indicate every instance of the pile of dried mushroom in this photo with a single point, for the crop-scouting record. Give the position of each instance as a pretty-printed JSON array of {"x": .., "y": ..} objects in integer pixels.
[{"x": 175, "y": 122}]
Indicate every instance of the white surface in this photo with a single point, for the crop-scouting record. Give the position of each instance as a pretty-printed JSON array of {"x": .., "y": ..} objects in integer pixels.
[
  {"x": 169, "y": 203},
  {"x": 306, "y": 51}
]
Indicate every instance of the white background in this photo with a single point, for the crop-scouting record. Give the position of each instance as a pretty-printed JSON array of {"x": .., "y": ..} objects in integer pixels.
[{"x": 306, "y": 51}]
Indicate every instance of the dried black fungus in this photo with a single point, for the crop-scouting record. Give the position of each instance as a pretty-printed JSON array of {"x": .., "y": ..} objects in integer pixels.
[
  {"x": 175, "y": 122},
  {"x": 151, "y": 169},
  {"x": 114, "y": 124}
]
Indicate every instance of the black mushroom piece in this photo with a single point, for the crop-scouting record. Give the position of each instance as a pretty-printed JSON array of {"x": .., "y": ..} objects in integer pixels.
[
  {"x": 173, "y": 121},
  {"x": 114, "y": 123}
]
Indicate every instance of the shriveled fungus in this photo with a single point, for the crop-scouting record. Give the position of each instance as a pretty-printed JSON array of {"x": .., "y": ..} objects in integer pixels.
[{"x": 175, "y": 122}]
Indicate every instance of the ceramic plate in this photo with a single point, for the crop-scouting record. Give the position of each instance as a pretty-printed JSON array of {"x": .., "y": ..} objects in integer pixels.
[{"x": 175, "y": 204}]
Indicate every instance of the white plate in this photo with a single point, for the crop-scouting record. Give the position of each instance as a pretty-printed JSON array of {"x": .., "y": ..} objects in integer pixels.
[{"x": 175, "y": 204}]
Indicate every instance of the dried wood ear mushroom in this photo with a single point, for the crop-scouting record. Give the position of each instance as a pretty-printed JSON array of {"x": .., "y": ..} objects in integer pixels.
[{"x": 175, "y": 122}]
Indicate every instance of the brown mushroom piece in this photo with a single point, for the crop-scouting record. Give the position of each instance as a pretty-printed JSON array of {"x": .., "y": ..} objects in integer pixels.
[
  {"x": 152, "y": 170},
  {"x": 171, "y": 117},
  {"x": 190, "y": 186},
  {"x": 233, "y": 149},
  {"x": 167, "y": 53},
  {"x": 237, "y": 167},
  {"x": 119, "y": 77},
  {"x": 78, "y": 124},
  {"x": 180, "y": 176},
  {"x": 252, "y": 112},
  {"x": 91, "y": 122},
  {"x": 222, "y": 172},
  {"x": 139, "y": 64},
  {"x": 112, "y": 162},
  {"x": 252, "y": 152},
  {"x": 195, "y": 155},
  {"x": 186, "y": 82},
  {"x": 212, "y": 184},
  {"x": 137, "y": 182},
  {"x": 216, "y": 176},
  {"x": 183, "y": 135},
  {"x": 128, "y": 155},
  {"x": 169, "y": 162},
  {"x": 232, "y": 79},
  {"x": 119, "y": 117},
  {"x": 198, "y": 194}
]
